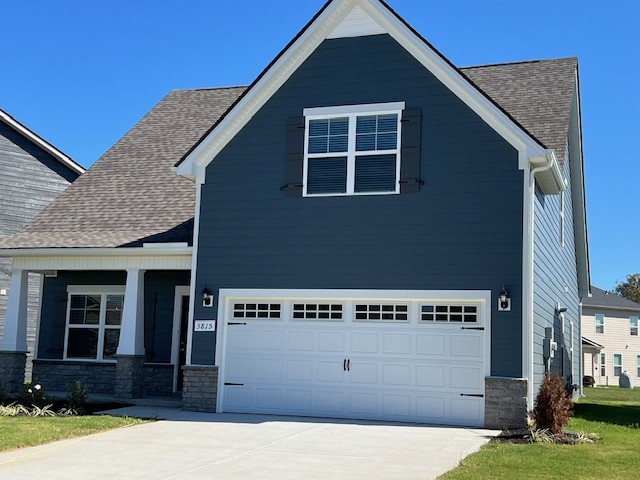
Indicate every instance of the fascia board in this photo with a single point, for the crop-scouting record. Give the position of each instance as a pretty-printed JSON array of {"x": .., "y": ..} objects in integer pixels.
[
  {"x": 96, "y": 252},
  {"x": 196, "y": 162},
  {"x": 42, "y": 143}
]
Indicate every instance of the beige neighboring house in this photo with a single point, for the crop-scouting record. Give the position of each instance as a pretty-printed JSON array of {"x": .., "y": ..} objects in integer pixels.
[{"x": 610, "y": 337}]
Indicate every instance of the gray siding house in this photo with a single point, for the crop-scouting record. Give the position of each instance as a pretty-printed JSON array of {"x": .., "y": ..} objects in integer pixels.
[
  {"x": 34, "y": 172},
  {"x": 366, "y": 231}
]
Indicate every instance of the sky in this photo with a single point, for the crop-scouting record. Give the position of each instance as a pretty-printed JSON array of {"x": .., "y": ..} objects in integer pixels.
[{"x": 81, "y": 73}]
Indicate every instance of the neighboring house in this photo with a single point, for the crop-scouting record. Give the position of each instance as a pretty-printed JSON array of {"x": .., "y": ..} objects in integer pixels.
[
  {"x": 334, "y": 240},
  {"x": 611, "y": 322},
  {"x": 32, "y": 173}
]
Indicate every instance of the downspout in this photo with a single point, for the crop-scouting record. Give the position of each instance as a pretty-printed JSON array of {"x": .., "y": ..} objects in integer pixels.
[{"x": 539, "y": 164}]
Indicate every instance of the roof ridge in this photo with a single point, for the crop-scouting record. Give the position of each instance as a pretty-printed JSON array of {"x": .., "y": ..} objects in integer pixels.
[{"x": 194, "y": 89}]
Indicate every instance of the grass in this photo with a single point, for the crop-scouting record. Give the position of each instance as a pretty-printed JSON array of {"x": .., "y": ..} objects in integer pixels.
[
  {"x": 612, "y": 413},
  {"x": 18, "y": 432}
]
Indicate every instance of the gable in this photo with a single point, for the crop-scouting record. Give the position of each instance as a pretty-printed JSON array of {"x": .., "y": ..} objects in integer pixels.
[{"x": 340, "y": 16}]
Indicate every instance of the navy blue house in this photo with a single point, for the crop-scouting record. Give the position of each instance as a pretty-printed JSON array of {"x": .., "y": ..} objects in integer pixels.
[{"x": 366, "y": 231}]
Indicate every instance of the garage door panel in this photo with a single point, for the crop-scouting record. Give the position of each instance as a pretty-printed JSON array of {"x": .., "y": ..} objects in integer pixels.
[
  {"x": 396, "y": 375},
  {"x": 431, "y": 344},
  {"x": 269, "y": 369},
  {"x": 240, "y": 367},
  {"x": 238, "y": 398},
  {"x": 363, "y": 403},
  {"x": 331, "y": 342},
  {"x": 331, "y": 402},
  {"x": 397, "y": 344},
  {"x": 465, "y": 409},
  {"x": 466, "y": 378},
  {"x": 239, "y": 339},
  {"x": 466, "y": 345},
  {"x": 301, "y": 341},
  {"x": 363, "y": 373},
  {"x": 364, "y": 342},
  {"x": 268, "y": 398},
  {"x": 299, "y": 400},
  {"x": 330, "y": 371},
  {"x": 300, "y": 371},
  {"x": 430, "y": 376},
  {"x": 396, "y": 406},
  {"x": 270, "y": 340},
  {"x": 430, "y": 409}
]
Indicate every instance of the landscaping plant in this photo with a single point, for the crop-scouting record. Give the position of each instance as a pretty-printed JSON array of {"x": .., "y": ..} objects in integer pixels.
[
  {"x": 553, "y": 407},
  {"x": 77, "y": 394},
  {"x": 33, "y": 395}
]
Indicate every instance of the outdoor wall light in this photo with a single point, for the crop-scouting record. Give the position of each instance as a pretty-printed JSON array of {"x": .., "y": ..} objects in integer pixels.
[
  {"x": 207, "y": 298},
  {"x": 504, "y": 301}
]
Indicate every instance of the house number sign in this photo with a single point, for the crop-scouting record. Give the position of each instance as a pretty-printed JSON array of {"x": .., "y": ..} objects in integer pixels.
[{"x": 205, "y": 326}]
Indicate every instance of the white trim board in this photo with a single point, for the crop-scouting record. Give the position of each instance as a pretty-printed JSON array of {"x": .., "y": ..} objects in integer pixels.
[
  {"x": 289, "y": 61},
  {"x": 41, "y": 142},
  {"x": 107, "y": 262}
]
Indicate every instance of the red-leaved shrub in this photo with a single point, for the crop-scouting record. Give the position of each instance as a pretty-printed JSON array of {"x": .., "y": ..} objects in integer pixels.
[{"x": 553, "y": 406}]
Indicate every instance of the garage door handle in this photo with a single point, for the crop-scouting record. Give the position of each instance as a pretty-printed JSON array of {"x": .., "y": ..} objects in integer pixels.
[
  {"x": 348, "y": 365},
  {"x": 472, "y": 328},
  {"x": 344, "y": 365},
  {"x": 479, "y": 395},
  {"x": 229, "y": 384}
]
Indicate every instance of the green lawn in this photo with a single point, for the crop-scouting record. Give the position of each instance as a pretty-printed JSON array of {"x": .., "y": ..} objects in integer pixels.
[
  {"x": 612, "y": 413},
  {"x": 17, "y": 432}
]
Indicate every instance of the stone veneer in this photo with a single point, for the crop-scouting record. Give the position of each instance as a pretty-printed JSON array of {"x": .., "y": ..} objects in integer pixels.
[
  {"x": 129, "y": 376},
  {"x": 158, "y": 379},
  {"x": 199, "y": 388},
  {"x": 56, "y": 375},
  {"x": 12, "y": 369},
  {"x": 505, "y": 402}
]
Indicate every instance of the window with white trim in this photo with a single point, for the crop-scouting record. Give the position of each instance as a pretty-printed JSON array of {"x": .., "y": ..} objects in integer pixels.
[
  {"x": 617, "y": 364},
  {"x": 633, "y": 326},
  {"x": 449, "y": 313},
  {"x": 352, "y": 150},
  {"x": 603, "y": 365},
  {"x": 263, "y": 310},
  {"x": 381, "y": 313},
  {"x": 317, "y": 311},
  {"x": 599, "y": 323},
  {"x": 93, "y": 324}
]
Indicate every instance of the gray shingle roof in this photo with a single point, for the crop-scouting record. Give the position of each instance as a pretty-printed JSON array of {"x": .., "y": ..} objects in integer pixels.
[
  {"x": 537, "y": 94},
  {"x": 130, "y": 196},
  {"x": 601, "y": 298}
]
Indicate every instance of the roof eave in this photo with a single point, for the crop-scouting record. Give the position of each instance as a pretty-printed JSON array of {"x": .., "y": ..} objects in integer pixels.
[
  {"x": 41, "y": 142},
  {"x": 157, "y": 250}
]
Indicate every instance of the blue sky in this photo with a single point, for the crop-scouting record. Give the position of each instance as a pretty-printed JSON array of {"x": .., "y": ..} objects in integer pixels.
[{"x": 81, "y": 73}]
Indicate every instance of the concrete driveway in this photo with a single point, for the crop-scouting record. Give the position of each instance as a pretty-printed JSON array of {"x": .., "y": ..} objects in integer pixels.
[{"x": 226, "y": 446}]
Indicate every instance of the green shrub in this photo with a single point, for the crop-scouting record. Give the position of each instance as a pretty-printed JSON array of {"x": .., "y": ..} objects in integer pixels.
[
  {"x": 77, "y": 394},
  {"x": 553, "y": 407}
]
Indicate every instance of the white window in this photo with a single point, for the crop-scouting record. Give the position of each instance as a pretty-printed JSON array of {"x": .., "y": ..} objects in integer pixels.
[
  {"x": 617, "y": 365},
  {"x": 603, "y": 365},
  {"x": 352, "y": 150},
  {"x": 449, "y": 313},
  {"x": 317, "y": 311},
  {"x": 94, "y": 316},
  {"x": 599, "y": 323},
  {"x": 633, "y": 326},
  {"x": 382, "y": 313},
  {"x": 262, "y": 310}
]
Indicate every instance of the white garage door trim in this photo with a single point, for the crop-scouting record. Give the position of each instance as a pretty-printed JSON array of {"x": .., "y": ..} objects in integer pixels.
[{"x": 229, "y": 296}]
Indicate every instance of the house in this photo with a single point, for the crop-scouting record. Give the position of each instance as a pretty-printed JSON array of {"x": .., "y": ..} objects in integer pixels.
[
  {"x": 34, "y": 172},
  {"x": 611, "y": 323},
  {"x": 366, "y": 231}
]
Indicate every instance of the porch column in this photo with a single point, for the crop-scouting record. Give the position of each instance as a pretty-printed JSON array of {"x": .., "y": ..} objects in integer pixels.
[
  {"x": 13, "y": 347},
  {"x": 130, "y": 353}
]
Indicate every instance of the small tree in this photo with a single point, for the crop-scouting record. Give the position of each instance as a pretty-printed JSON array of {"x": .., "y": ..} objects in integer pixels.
[
  {"x": 630, "y": 289},
  {"x": 77, "y": 394},
  {"x": 553, "y": 406}
]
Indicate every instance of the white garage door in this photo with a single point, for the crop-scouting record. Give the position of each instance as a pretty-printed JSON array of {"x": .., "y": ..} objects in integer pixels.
[{"x": 401, "y": 360}]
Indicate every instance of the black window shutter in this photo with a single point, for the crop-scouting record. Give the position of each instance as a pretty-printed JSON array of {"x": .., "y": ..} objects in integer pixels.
[
  {"x": 410, "y": 151},
  {"x": 293, "y": 167}
]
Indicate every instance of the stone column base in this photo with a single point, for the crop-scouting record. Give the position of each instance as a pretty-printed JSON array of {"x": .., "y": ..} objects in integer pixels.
[
  {"x": 505, "y": 402},
  {"x": 199, "y": 388},
  {"x": 129, "y": 376},
  {"x": 12, "y": 370}
]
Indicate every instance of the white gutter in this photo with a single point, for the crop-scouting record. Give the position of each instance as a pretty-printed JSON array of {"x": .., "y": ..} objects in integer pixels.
[{"x": 539, "y": 164}]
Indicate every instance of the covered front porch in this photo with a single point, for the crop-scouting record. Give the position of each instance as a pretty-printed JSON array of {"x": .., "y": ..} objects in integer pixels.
[{"x": 115, "y": 319}]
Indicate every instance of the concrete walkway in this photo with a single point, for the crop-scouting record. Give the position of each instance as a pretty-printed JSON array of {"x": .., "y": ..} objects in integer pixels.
[{"x": 196, "y": 446}]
